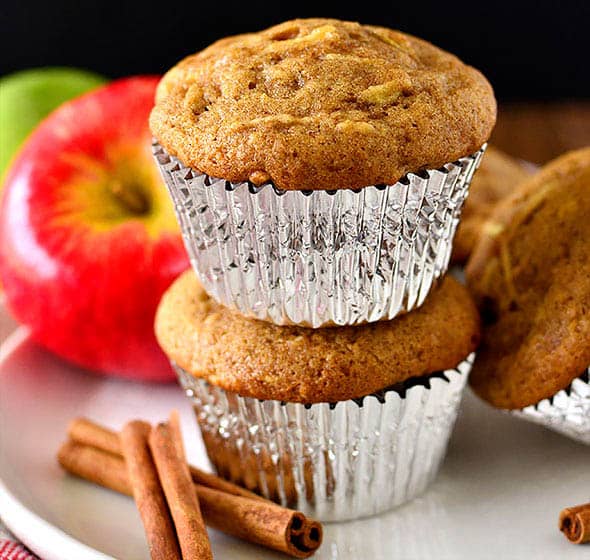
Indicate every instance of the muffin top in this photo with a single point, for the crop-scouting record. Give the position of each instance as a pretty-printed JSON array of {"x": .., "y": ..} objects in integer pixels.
[
  {"x": 297, "y": 364},
  {"x": 530, "y": 274},
  {"x": 495, "y": 179},
  {"x": 321, "y": 104}
]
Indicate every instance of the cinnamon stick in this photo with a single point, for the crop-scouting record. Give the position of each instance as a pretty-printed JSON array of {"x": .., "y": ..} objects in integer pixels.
[
  {"x": 147, "y": 492},
  {"x": 87, "y": 432},
  {"x": 312, "y": 536},
  {"x": 257, "y": 521},
  {"x": 263, "y": 523},
  {"x": 180, "y": 493},
  {"x": 97, "y": 466},
  {"x": 574, "y": 523},
  {"x": 176, "y": 432}
]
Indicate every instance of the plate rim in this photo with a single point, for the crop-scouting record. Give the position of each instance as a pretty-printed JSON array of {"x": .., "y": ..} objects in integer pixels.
[
  {"x": 40, "y": 536},
  {"x": 36, "y": 533}
]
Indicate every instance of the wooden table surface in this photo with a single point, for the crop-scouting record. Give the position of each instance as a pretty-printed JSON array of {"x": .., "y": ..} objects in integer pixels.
[{"x": 539, "y": 132}]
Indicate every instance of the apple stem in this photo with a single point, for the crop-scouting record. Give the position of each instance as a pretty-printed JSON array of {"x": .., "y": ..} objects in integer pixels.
[{"x": 131, "y": 197}]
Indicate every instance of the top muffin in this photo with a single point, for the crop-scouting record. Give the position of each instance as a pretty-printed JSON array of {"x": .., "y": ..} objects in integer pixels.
[{"x": 321, "y": 104}]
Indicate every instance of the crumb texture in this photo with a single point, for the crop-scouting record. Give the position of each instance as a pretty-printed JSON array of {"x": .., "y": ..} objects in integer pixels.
[
  {"x": 321, "y": 104},
  {"x": 297, "y": 364},
  {"x": 530, "y": 275},
  {"x": 496, "y": 178}
]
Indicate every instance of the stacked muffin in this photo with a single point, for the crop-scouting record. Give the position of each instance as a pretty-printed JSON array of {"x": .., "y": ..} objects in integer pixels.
[{"x": 318, "y": 170}]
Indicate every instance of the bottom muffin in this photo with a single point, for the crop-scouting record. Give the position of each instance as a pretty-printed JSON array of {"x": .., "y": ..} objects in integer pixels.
[
  {"x": 339, "y": 423},
  {"x": 333, "y": 461}
]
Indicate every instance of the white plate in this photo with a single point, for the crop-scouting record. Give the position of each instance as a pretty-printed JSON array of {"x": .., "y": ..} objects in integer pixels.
[{"x": 498, "y": 495}]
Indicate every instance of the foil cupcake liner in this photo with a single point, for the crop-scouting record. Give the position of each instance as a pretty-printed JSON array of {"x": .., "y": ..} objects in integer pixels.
[
  {"x": 566, "y": 412},
  {"x": 319, "y": 258},
  {"x": 333, "y": 461}
]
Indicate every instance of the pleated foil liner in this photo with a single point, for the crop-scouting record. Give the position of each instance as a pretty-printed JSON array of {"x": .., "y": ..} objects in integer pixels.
[
  {"x": 333, "y": 461},
  {"x": 319, "y": 258},
  {"x": 567, "y": 412}
]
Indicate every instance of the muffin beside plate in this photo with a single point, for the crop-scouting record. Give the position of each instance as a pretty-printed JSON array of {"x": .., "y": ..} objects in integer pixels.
[
  {"x": 530, "y": 275},
  {"x": 497, "y": 177},
  {"x": 319, "y": 167}
]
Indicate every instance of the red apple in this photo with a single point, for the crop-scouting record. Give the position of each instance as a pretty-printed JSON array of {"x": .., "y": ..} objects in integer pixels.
[{"x": 88, "y": 237}]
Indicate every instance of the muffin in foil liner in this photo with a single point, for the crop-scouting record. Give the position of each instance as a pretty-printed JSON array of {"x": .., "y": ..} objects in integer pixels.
[
  {"x": 319, "y": 258},
  {"x": 566, "y": 412},
  {"x": 333, "y": 461}
]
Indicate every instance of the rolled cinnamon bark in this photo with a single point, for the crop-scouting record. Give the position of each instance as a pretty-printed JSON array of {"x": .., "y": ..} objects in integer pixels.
[
  {"x": 147, "y": 492},
  {"x": 574, "y": 523},
  {"x": 260, "y": 522},
  {"x": 180, "y": 493},
  {"x": 312, "y": 537},
  {"x": 87, "y": 432},
  {"x": 100, "y": 467},
  {"x": 257, "y": 521},
  {"x": 176, "y": 432}
]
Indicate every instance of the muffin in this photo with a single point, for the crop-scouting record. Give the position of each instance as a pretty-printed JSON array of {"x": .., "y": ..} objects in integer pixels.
[
  {"x": 339, "y": 423},
  {"x": 496, "y": 178},
  {"x": 318, "y": 167},
  {"x": 530, "y": 275}
]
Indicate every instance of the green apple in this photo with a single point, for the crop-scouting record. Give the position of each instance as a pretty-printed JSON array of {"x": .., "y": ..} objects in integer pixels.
[{"x": 28, "y": 96}]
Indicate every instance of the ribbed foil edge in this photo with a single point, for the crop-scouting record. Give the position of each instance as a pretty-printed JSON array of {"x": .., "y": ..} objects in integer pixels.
[
  {"x": 333, "y": 461},
  {"x": 319, "y": 258},
  {"x": 567, "y": 412}
]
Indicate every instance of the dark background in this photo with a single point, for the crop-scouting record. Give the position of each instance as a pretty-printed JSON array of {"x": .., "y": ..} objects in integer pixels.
[{"x": 529, "y": 50}]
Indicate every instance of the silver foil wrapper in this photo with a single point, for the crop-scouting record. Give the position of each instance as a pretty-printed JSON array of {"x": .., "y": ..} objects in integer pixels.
[
  {"x": 333, "y": 461},
  {"x": 567, "y": 412},
  {"x": 319, "y": 258}
]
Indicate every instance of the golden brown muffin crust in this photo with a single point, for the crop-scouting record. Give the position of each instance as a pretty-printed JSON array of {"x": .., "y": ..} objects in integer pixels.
[
  {"x": 321, "y": 104},
  {"x": 495, "y": 179},
  {"x": 297, "y": 364},
  {"x": 530, "y": 274}
]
